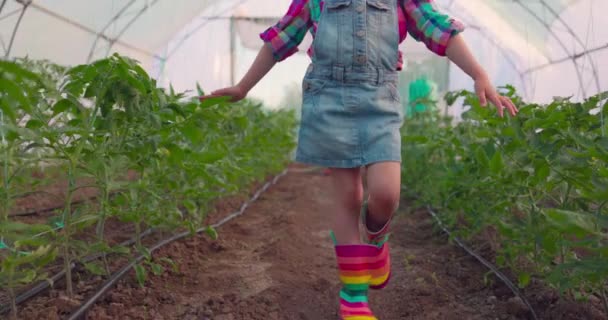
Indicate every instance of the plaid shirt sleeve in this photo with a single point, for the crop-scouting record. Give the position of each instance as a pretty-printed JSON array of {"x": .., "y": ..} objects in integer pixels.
[
  {"x": 288, "y": 33},
  {"x": 426, "y": 24}
]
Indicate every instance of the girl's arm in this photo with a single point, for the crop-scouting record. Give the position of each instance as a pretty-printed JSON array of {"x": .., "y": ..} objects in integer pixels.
[
  {"x": 281, "y": 41},
  {"x": 459, "y": 53},
  {"x": 441, "y": 34},
  {"x": 262, "y": 64}
]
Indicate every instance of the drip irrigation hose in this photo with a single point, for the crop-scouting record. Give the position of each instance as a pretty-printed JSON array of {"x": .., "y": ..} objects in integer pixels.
[
  {"x": 43, "y": 285},
  {"x": 53, "y": 208},
  {"x": 81, "y": 311},
  {"x": 485, "y": 262},
  {"x": 48, "y": 209}
]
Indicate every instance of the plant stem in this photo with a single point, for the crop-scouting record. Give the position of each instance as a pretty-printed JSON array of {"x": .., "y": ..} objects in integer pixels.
[
  {"x": 562, "y": 250},
  {"x": 566, "y": 198},
  {"x": 599, "y": 214},
  {"x": 102, "y": 220},
  {"x": 6, "y": 184},
  {"x": 103, "y": 208},
  {"x": 138, "y": 235},
  {"x": 604, "y": 298},
  {"x": 67, "y": 261},
  {"x": 13, "y": 298}
]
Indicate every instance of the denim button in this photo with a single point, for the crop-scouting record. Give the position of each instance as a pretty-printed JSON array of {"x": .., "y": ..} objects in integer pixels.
[
  {"x": 360, "y": 8},
  {"x": 361, "y": 33},
  {"x": 361, "y": 59}
]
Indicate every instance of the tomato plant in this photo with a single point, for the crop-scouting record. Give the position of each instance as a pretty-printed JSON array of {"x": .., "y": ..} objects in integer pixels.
[
  {"x": 156, "y": 158},
  {"x": 540, "y": 180}
]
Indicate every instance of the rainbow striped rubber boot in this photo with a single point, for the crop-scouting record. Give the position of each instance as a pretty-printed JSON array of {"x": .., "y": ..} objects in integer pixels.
[
  {"x": 356, "y": 263},
  {"x": 381, "y": 275}
]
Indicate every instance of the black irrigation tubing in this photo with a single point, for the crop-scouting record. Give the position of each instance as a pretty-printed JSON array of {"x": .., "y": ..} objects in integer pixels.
[
  {"x": 81, "y": 311},
  {"x": 43, "y": 285},
  {"x": 34, "y": 212},
  {"x": 485, "y": 262}
]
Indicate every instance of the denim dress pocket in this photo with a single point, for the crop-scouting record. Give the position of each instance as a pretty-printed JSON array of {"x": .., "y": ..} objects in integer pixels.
[
  {"x": 379, "y": 11},
  {"x": 311, "y": 91},
  {"x": 382, "y": 5},
  {"x": 335, "y": 4},
  {"x": 391, "y": 87},
  {"x": 388, "y": 100}
]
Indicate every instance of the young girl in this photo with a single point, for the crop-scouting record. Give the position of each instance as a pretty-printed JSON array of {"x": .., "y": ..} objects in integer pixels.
[{"x": 351, "y": 115}]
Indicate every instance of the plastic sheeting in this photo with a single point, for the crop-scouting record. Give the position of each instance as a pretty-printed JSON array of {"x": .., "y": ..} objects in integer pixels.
[{"x": 545, "y": 48}]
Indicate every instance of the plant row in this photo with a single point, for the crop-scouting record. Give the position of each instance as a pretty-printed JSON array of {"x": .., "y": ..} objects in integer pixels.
[
  {"x": 534, "y": 185},
  {"x": 105, "y": 122}
]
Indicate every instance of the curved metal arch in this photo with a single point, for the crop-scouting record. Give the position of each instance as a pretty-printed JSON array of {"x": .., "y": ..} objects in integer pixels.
[
  {"x": 26, "y": 4},
  {"x": 576, "y": 55},
  {"x": 103, "y": 30},
  {"x": 559, "y": 41},
  {"x": 500, "y": 48},
  {"x": 89, "y": 30},
  {"x": 505, "y": 56},
  {"x": 130, "y": 23},
  {"x": 117, "y": 17},
  {"x": 2, "y": 5},
  {"x": 8, "y": 15},
  {"x": 579, "y": 40},
  {"x": 204, "y": 23},
  {"x": 183, "y": 39}
]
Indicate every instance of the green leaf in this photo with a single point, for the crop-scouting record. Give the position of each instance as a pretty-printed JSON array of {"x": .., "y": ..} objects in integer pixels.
[
  {"x": 157, "y": 269},
  {"x": 210, "y": 157},
  {"x": 192, "y": 132},
  {"x": 62, "y": 106},
  {"x": 571, "y": 222},
  {"x": 140, "y": 274},
  {"x": 7, "y": 113},
  {"x": 208, "y": 102},
  {"x": 27, "y": 277},
  {"x": 34, "y": 124},
  {"x": 191, "y": 206},
  {"x": 542, "y": 171},
  {"x": 524, "y": 280},
  {"x": 14, "y": 91},
  {"x": 120, "y": 250},
  {"x": 481, "y": 156},
  {"x": 95, "y": 268},
  {"x": 170, "y": 263},
  {"x": 85, "y": 221},
  {"x": 496, "y": 164},
  {"x": 211, "y": 232}
]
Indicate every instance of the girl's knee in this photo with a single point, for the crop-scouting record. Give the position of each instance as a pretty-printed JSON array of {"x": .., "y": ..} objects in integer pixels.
[{"x": 385, "y": 199}]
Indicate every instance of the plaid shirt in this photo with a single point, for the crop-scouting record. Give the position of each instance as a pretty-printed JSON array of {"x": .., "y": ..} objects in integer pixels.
[{"x": 420, "y": 19}]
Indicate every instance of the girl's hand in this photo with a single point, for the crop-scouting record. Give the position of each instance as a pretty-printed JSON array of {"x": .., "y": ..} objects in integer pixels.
[
  {"x": 260, "y": 67},
  {"x": 235, "y": 93},
  {"x": 485, "y": 91}
]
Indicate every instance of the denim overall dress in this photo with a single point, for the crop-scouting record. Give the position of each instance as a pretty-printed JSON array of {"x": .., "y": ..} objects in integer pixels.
[{"x": 351, "y": 110}]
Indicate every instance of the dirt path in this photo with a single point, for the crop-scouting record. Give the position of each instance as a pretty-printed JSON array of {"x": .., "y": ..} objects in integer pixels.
[{"x": 276, "y": 262}]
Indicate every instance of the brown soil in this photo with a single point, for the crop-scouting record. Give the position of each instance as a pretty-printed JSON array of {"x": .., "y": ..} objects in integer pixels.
[{"x": 276, "y": 262}]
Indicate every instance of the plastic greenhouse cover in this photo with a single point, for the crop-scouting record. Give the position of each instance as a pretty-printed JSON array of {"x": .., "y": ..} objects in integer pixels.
[{"x": 528, "y": 43}]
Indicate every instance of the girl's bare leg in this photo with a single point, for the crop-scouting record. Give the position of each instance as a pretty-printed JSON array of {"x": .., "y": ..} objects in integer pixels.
[
  {"x": 347, "y": 194},
  {"x": 384, "y": 188}
]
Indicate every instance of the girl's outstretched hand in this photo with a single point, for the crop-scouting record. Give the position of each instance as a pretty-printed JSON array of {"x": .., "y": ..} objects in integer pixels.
[
  {"x": 485, "y": 91},
  {"x": 235, "y": 93}
]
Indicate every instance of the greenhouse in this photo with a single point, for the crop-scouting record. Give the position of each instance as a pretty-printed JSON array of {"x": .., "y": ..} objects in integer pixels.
[{"x": 195, "y": 159}]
